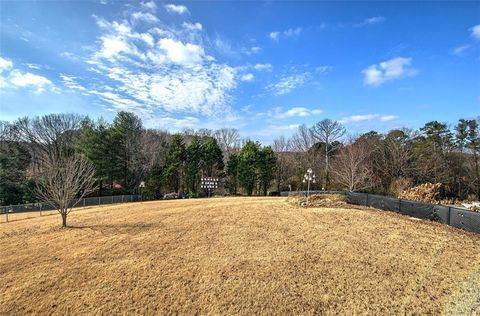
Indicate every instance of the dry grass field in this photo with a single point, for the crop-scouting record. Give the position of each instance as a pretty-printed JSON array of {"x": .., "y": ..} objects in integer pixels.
[{"x": 236, "y": 256}]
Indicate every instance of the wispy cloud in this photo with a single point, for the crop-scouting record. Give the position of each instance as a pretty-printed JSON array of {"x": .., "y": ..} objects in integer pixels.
[
  {"x": 395, "y": 68},
  {"x": 173, "y": 8},
  {"x": 371, "y": 21},
  {"x": 323, "y": 69},
  {"x": 247, "y": 77},
  {"x": 263, "y": 67},
  {"x": 192, "y": 26},
  {"x": 291, "y": 32},
  {"x": 368, "y": 117},
  {"x": 145, "y": 17},
  {"x": 279, "y": 113},
  {"x": 460, "y": 50},
  {"x": 288, "y": 83}
]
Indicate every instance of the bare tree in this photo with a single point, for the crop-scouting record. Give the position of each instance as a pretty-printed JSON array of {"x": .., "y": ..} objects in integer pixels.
[
  {"x": 280, "y": 147},
  {"x": 228, "y": 139},
  {"x": 154, "y": 147},
  {"x": 49, "y": 136},
  {"x": 328, "y": 131},
  {"x": 64, "y": 182},
  {"x": 351, "y": 169}
]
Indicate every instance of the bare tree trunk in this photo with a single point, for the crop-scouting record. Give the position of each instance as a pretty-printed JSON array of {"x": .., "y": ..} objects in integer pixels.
[
  {"x": 64, "y": 219},
  {"x": 326, "y": 164}
]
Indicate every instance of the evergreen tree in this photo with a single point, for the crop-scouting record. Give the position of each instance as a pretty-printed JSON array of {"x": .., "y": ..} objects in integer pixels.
[
  {"x": 174, "y": 163},
  {"x": 247, "y": 166},
  {"x": 212, "y": 157},
  {"x": 94, "y": 141},
  {"x": 266, "y": 167},
  {"x": 125, "y": 135},
  {"x": 14, "y": 161},
  {"x": 232, "y": 173},
  {"x": 193, "y": 162}
]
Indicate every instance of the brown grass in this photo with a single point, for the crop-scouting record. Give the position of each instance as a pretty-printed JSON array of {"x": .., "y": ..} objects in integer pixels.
[{"x": 235, "y": 256}]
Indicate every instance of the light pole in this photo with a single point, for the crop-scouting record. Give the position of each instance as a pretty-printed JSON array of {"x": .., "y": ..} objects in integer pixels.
[
  {"x": 140, "y": 186},
  {"x": 307, "y": 177}
]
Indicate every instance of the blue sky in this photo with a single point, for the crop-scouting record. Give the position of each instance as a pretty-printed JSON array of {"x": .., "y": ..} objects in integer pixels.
[{"x": 262, "y": 67}]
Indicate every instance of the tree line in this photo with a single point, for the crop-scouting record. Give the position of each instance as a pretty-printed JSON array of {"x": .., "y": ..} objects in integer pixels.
[{"x": 122, "y": 154}]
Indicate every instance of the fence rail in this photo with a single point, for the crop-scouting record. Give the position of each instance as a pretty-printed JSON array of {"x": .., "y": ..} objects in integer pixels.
[{"x": 90, "y": 201}]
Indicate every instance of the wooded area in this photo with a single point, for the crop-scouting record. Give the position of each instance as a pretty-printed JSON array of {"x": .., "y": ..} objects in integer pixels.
[{"x": 123, "y": 154}]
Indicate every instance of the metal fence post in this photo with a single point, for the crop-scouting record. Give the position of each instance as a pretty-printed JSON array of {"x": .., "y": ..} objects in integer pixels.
[
  {"x": 122, "y": 197},
  {"x": 84, "y": 202},
  {"x": 98, "y": 200},
  {"x": 41, "y": 209},
  {"x": 6, "y": 214},
  {"x": 449, "y": 213},
  {"x": 366, "y": 200},
  {"x": 399, "y": 205}
]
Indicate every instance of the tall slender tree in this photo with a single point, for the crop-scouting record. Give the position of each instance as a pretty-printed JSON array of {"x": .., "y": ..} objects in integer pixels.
[
  {"x": 328, "y": 131},
  {"x": 174, "y": 164}
]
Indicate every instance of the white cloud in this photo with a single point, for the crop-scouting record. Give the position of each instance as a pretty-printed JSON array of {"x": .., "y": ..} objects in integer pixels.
[
  {"x": 149, "y": 5},
  {"x": 162, "y": 72},
  {"x": 288, "y": 83},
  {"x": 15, "y": 79},
  {"x": 460, "y": 50},
  {"x": 388, "y": 118},
  {"x": 144, "y": 16},
  {"x": 112, "y": 46},
  {"x": 371, "y": 21},
  {"x": 274, "y": 35},
  {"x": 278, "y": 113},
  {"x": 476, "y": 31},
  {"x": 71, "y": 83},
  {"x": 5, "y": 64},
  {"x": 297, "y": 112},
  {"x": 263, "y": 67},
  {"x": 291, "y": 32},
  {"x": 173, "y": 8},
  {"x": 171, "y": 74},
  {"x": 247, "y": 77},
  {"x": 368, "y": 117},
  {"x": 192, "y": 26},
  {"x": 185, "y": 54},
  {"x": 395, "y": 68},
  {"x": 255, "y": 49}
]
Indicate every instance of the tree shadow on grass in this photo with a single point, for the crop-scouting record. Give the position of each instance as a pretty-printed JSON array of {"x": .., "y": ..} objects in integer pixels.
[{"x": 115, "y": 229}]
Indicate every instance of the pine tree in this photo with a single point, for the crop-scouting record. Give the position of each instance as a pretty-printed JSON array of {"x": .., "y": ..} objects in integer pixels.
[
  {"x": 194, "y": 153},
  {"x": 247, "y": 166},
  {"x": 266, "y": 167},
  {"x": 174, "y": 165},
  {"x": 212, "y": 157},
  {"x": 232, "y": 173}
]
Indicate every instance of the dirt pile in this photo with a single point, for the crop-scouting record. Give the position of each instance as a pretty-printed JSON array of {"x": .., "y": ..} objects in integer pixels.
[
  {"x": 427, "y": 193},
  {"x": 318, "y": 200}
]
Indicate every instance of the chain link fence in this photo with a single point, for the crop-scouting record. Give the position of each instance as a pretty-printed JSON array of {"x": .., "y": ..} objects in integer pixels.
[{"x": 89, "y": 201}]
